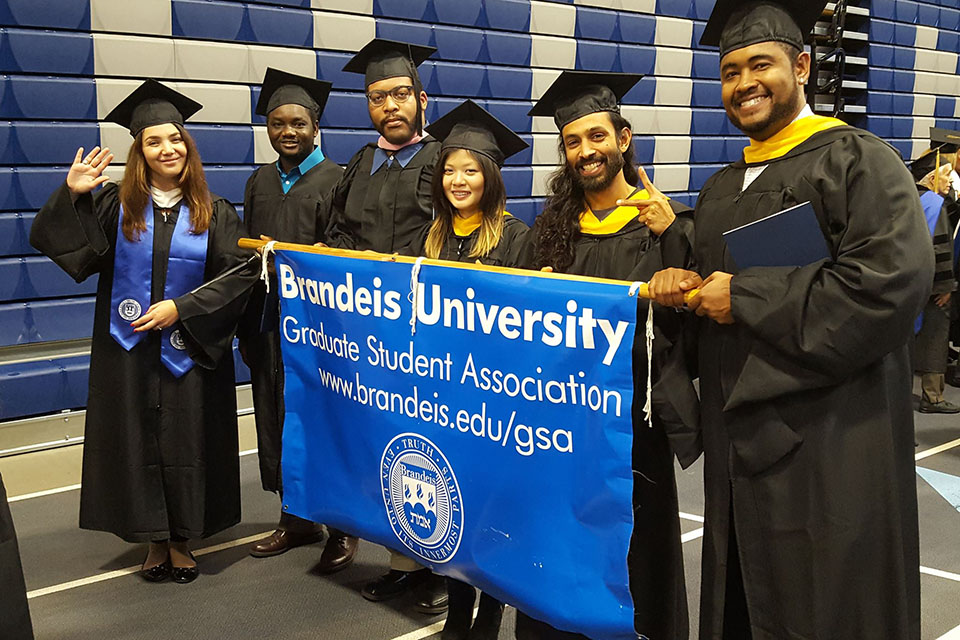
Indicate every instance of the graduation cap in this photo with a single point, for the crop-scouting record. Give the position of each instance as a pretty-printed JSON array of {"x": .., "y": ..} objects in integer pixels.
[
  {"x": 381, "y": 59},
  {"x": 579, "y": 93},
  {"x": 151, "y": 104},
  {"x": 280, "y": 87},
  {"x": 735, "y": 24},
  {"x": 944, "y": 140},
  {"x": 470, "y": 126}
]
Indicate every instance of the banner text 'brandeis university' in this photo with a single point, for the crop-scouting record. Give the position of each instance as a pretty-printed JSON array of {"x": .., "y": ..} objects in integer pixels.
[{"x": 490, "y": 439}]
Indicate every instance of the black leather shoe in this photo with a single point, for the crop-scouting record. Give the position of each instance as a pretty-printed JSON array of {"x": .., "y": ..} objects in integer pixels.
[
  {"x": 392, "y": 584},
  {"x": 338, "y": 553},
  {"x": 156, "y": 573},
  {"x": 183, "y": 575},
  {"x": 938, "y": 407},
  {"x": 432, "y": 595}
]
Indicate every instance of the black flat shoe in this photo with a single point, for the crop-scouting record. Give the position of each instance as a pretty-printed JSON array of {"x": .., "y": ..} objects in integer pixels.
[
  {"x": 156, "y": 573},
  {"x": 184, "y": 575}
]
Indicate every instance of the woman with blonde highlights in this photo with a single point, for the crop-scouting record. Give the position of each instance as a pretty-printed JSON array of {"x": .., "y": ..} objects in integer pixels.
[{"x": 160, "y": 445}]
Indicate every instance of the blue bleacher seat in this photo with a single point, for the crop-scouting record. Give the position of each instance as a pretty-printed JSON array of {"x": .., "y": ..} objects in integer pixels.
[
  {"x": 880, "y": 126},
  {"x": 882, "y": 31},
  {"x": 903, "y": 81},
  {"x": 50, "y": 14},
  {"x": 470, "y": 14},
  {"x": 456, "y": 79},
  {"x": 903, "y": 147},
  {"x": 439, "y": 107},
  {"x": 406, "y": 32},
  {"x": 37, "y": 277},
  {"x": 210, "y": 20},
  {"x": 289, "y": 27},
  {"x": 881, "y": 55},
  {"x": 708, "y": 122},
  {"x": 706, "y": 65},
  {"x": 508, "y": 15},
  {"x": 330, "y": 68},
  {"x": 677, "y": 8},
  {"x": 638, "y": 28},
  {"x": 700, "y": 173},
  {"x": 637, "y": 58},
  {"x": 885, "y": 9},
  {"x": 706, "y": 149},
  {"x": 518, "y": 181},
  {"x": 508, "y": 48},
  {"x": 701, "y": 9},
  {"x": 48, "y": 98},
  {"x": 421, "y": 10},
  {"x": 46, "y": 320},
  {"x": 459, "y": 43},
  {"x": 345, "y": 110},
  {"x": 686, "y": 197},
  {"x": 598, "y": 56},
  {"x": 29, "y": 187},
  {"x": 15, "y": 234},
  {"x": 879, "y": 102},
  {"x": 46, "y": 386},
  {"x": 642, "y": 93},
  {"x": 949, "y": 18},
  {"x": 948, "y": 40},
  {"x": 904, "y": 35},
  {"x": 303, "y": 4},
  {"x": 45, "y": 143},
  {"x": 706, "y": 94},
  {"x": 598, "y": 24},
  {"x": 525, "y": 157},
  {"x": 901, "y": 103},
  {"x": 698, "y": 29},
  {"x": 35, "y": 51},
  {"x": 733, "y": 148},
  {"x": 526, "y": 209},
  {"x": 880, "y": 79},
  {"x": 228, "y": 182},
  {"x": 511, "y": 113},
  {"x": 903, "y": 57},
  {"x": 905, "y": 11},
  {"x": 341, "y": 144},
  {"x": 644, "y": 149},
  {"x": 946, "y": 107},
  {"x": 928, "y": 15},
  {"x": 224, "y": 144},
  {"x": 508, "y": 83}
]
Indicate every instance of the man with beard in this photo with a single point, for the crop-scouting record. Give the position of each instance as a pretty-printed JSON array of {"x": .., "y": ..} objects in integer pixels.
[
  {"x": 381, "y": 203},
  {"x": 583, "y": 230},
  {"x": 810, "y": 492},
  {"x": 281, "y": 202}
]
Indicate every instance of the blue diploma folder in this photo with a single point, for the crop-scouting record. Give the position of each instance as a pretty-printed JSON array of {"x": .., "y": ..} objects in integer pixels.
[{"x": 790, "y": 238}]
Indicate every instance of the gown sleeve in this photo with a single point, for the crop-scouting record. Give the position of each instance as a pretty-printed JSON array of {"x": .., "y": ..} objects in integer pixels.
[
  {"x": 77, "y": 235},
  {"x": 816, "y": 325},
  {"x": 332, "y": 209},
  {"x": 518, "y": 237},
  {"x": 209, "y": 314}
]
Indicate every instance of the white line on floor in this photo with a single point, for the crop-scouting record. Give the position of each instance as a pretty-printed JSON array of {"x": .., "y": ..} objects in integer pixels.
[
  {"x": 691, "y": 516},
  {"x": 940, "y": 574},
  {"x": 692, "y": 535},
  {"x": 953, "y": 634},
  {"x": 119, "y": 573},
  {"x": 935, "y": 450},
  {"x": 418, "y": 634}
]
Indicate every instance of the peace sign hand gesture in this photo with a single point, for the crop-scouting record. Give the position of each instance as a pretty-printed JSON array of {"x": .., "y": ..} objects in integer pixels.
[
  {"x": 86, "y": 171},
  {"x": 655, "y": 211}
]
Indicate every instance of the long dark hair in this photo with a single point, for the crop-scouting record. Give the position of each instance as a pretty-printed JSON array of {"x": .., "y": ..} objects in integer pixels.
[
  {"x": 135, "y": 188},
  {"x": 492, "y": 204},
  {"x": 558, "y": 227}
]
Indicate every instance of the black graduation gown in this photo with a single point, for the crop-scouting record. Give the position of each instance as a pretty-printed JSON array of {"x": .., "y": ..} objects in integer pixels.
[
  {"x": 296, "y": 216},
  {"x": 385, "y": 211},
  {"x": 160, "y": 453},
  {"x": 512, "y": 251},
  {"x": 655, "y": 560},
  {"x": 806, "y": 400},
  {"x": 14, "y": 613}
]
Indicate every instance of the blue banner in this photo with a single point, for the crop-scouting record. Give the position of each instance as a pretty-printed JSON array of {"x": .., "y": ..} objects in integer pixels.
[{"x": 489, "y": 440}]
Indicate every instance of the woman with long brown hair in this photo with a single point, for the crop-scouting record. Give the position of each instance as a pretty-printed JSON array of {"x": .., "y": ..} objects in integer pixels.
[{"x": 160, "y": 444}]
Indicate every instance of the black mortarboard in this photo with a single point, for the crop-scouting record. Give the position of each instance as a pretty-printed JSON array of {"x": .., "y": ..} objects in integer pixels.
[
  {"x": 470, "y": 126},
  {"x": 381, "y": 59},
  {"x": 947, "y": 140},
  {"x": 579, "y": 93},
  {"x": 941, "y": 141},
  {"x": 735, "y": 24},
  {"x": 280, "y": 87},
  {"x": 151, "y": 104}
]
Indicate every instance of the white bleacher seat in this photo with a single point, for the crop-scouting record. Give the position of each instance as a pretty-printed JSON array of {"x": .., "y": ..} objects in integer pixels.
[
  {"x": 924, "y": 104},
  {"x": 545, "y": 150},
  {"x": 921, "y": 126},
  {"x": 674, "y": 32},
  {"x": 552, "y": 18},
  {"x": 342, "y": 32},
  {"x": 150, "y": 17},
  {"x": 222, "y": 103},
  {"x": 542, "y": 79},
  {"x": 299, "y": 61},
  {"x": 364, "y": 7},
  {"x": 111, "y": 91},
  {"x": 141, "y": 57},
  {"x": 926, "y": 37},
  {"x": 553, "y": 52},
  {"x": 672, "y": 149},
  {"x": 674, "y": 91},
  {"x": 543, "y": 124},
  {"x": 218, "y": 61},
  {"x": 671, "y": 177},
  {"x": 118, "y": 139},
  {"x": 673, "y": 62},
  {"x": 541, "y": 175}
]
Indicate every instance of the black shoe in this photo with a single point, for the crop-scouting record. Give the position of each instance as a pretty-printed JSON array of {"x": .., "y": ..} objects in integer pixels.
[
  {"x": 184, "y": 575},
  {"x": 489, "y": 618},
  {"x": 952, "y": 379},
  {"x": 392, "y": 584},
  {"x": 432, "y": 595},
  {"x": 156, "y": 573},
  {"x": 938, "y": 407},
  {"x": 461, "y": 597}
]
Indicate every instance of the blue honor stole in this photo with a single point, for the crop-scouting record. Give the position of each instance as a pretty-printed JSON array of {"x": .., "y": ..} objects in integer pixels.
[{"x": 132, "y": 276}]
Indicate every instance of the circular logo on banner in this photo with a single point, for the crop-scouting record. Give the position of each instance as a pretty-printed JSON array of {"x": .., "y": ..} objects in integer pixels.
[
  {"x": 422, "y": 497},
  {"x": 129, "y": 309},
  {"x": 176, "y": 340}
]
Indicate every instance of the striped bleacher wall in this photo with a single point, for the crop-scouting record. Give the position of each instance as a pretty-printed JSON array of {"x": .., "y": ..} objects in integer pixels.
[{"x": 65, "y": 63}]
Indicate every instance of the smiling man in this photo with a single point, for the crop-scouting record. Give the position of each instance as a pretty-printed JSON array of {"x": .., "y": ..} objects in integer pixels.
[
  {"x": 810, "y": 492},
  {"x": 281, "y": 201}
]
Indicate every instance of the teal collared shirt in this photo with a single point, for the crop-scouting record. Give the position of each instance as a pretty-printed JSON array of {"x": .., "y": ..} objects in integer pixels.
[{"x": 287, "y": 180}]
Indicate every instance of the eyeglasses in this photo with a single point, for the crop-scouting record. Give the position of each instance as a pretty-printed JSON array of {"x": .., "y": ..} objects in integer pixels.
[{"x": 399, "y": 94}]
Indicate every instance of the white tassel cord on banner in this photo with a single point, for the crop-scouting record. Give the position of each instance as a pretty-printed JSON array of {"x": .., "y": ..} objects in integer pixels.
[
  {"x": 648, "y": 405},
  {"x": 264, "y": 253},
  {"x": 414, "y": 292}
]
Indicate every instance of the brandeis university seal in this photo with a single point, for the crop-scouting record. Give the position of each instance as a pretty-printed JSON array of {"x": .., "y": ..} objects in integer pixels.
[
  {"x": 422, "y": 497},
  {"x": 129, "y": 309}
]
